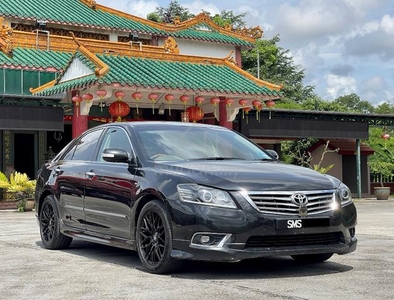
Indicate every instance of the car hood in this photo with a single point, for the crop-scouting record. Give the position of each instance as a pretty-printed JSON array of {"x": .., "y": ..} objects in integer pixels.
[{"x": 250, "y": 175}]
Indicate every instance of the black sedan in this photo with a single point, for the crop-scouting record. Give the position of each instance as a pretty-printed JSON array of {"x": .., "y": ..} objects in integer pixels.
[{"x": 175, "y": 191}]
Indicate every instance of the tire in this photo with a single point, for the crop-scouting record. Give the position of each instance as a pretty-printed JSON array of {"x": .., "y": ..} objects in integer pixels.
[
  {"x": 312, "y": 258},
  {"x": 51, "y": 236},
  {"x": 154, "y": 239}
]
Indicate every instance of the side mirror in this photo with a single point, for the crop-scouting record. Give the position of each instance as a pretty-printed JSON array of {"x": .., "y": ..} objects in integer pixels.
[
  {"x": 273, "y": 153},
  {"x": 115, "y": 155}
]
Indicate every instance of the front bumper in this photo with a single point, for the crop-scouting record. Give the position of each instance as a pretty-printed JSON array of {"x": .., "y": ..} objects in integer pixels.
[{"x": 251, "y": 234}]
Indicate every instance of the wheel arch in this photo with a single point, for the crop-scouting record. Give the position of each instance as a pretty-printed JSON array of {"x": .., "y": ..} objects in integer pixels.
[
  {"x": 45, "y": 194},
  {"x": 141, "y": 203}
]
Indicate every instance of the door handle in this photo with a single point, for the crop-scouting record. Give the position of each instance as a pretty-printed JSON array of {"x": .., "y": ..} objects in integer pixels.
[{"x": 90, "y": 175}]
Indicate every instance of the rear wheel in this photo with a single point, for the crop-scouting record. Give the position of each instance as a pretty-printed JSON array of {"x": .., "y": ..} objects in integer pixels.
[
  {"x": 312, "y": 258},
  {"x": 154, "y": 239},
  {"x": 51, "y": 236}
]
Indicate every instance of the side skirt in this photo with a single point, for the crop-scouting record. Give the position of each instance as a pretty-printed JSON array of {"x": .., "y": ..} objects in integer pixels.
[{"x": 96, "y": 237}]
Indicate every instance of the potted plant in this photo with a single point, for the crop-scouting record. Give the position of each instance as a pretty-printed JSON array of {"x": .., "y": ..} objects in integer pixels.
[
  {"x": 383, "y": 165},
  {"x": 22, "y": 187}
]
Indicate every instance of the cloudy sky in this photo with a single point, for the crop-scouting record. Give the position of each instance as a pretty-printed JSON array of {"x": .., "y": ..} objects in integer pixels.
[{"x": 345, "y": 46}]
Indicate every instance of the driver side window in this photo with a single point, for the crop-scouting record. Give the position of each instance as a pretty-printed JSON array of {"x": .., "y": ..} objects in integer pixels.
[{"x": 114, "y": 137}]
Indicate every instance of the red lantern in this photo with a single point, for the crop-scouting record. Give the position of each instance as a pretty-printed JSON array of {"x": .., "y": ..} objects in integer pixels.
[
  {"x": 136, "y": 96},
  {"x": 243, "y": 102},
  {"x": 215, "y": 101},
  {"x": 153, "y": 97},
  {"x": 385, "y": 136},
  {"x": 199, "y": 100},
  {"x": 119, "y": 109},
  {"x": 229, "y": 101},
  {"x": 87, "y": 97},
  {"x": 256, "y": 104},
  {"x": 246, "y": 111},
  {"x": 169, "y": 98},
  {"x": 119, "y": 95},
  {"x": 195, "y": 113},
  {"x": 184, "y": 99},
  {"x": 270, "y": 103},
  {"x": 77, "y": 99},
  {"x": 101, "y": 93}
]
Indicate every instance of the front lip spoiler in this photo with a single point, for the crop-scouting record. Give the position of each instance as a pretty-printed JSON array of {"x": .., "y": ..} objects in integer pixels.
[{"x": 227, "y": 254}]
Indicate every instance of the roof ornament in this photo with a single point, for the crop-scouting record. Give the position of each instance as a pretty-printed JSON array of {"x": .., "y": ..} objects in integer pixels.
[
  {"x": 253, "y": 32},
  {"x": 90, "y": 3},
  {"x": 228, "y": 27},
  {"x": 177, "y": 20},
  {"x": 5, "y": 38},
  {"x": 230, "y": 58},
  {"x": 170, "y": 46}
]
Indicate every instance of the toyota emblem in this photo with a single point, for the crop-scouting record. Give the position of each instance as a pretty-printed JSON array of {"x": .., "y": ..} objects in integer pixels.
[{"x": 299, "y": 199}]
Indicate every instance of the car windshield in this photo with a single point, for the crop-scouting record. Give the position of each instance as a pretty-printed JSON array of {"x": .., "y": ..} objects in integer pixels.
[{"x": 163, "y": 143}]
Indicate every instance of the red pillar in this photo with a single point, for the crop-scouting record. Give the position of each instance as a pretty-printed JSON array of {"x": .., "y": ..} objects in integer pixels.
[
  {"x": 223, "y": 114},
  {"x": 79, "y": 123},
  {"x": 238, "y": 56}
]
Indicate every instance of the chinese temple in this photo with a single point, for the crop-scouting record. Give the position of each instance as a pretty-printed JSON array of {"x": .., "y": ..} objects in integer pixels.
[{"x": 68, "y": 65}]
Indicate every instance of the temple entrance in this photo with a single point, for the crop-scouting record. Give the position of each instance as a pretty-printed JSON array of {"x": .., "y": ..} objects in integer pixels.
[
  {"x": 57, "y": 140},
  {"x": 24, "y": 154}
]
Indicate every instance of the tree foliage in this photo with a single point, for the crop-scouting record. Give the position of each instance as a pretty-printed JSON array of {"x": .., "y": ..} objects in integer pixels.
[
  {"x": 385, "y": 108},
  {"x": 227, "y": 17},
  {"x": 167, "y": 14},
  {"x": 277, "y": 66},
  {"x": 382, "y": 161},
  {"x": 353, "y": 103}
]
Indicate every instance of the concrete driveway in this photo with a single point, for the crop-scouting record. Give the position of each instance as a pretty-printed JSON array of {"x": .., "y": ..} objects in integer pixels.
[{"x": 89, "y": 271}]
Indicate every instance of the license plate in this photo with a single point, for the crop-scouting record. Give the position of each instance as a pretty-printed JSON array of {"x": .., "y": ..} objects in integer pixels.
[{"x": 302, "y": 223}]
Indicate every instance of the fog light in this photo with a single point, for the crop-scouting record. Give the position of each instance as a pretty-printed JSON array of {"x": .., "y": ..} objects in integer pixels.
[{"x": 205, "y": 239}]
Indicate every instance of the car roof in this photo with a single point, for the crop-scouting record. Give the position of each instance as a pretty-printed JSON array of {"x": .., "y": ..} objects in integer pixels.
[{"x": 137, "y": 124}]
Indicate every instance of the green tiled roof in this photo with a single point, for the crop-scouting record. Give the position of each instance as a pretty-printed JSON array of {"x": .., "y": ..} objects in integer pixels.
[
  {"x": 69, "y": 12},
  {"x": 210, "y": 36},
  {"x": 152, "y": 73},
  {"x": 31, "y": 58},
  {"x": 74, "y": 12}
]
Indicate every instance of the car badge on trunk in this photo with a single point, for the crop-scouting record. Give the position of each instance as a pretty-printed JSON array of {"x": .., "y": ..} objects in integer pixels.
[{"x": 301, "y": 200}]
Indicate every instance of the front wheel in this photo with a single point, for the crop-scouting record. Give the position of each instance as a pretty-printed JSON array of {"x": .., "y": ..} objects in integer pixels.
[
  {"x": 312, "y": 258},
  {"x": 51, "y": 236},
  {"x": 154, "y": 239}
]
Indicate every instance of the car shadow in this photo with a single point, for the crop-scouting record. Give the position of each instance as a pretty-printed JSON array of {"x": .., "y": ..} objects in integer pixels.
[{"x": 272, "y": 267}]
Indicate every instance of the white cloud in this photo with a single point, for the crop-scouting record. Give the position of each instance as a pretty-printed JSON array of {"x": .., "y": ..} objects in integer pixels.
[
  {"x": 251, "y": 12},
  {"x": 314, "y": 19},
  {"x": 376, "y": 83},
  {"x": 138, "y": 8},
  {"x": 196, "y": 7},
  {"x": 340, "y": 85},
  {"x": 387, "y": 24}
]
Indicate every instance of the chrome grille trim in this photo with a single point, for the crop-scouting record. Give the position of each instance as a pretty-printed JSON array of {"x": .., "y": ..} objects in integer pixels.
[{"x": 279, "y": 203}]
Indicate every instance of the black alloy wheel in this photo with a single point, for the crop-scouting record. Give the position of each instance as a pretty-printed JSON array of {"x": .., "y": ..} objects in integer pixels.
[
  {"x": 154, "y": 239},
  {"x": 51, "y": 236}
]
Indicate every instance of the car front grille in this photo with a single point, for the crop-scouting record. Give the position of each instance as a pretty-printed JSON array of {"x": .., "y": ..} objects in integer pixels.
[
  {"x": 280, "y": 202},
  {"x": 294, "y": 240}
]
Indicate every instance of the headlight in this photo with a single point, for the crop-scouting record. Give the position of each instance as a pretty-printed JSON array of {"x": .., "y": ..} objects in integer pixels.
[
  {"x": 204, "y": 195},
  {"x": 344, "y": 194}
]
